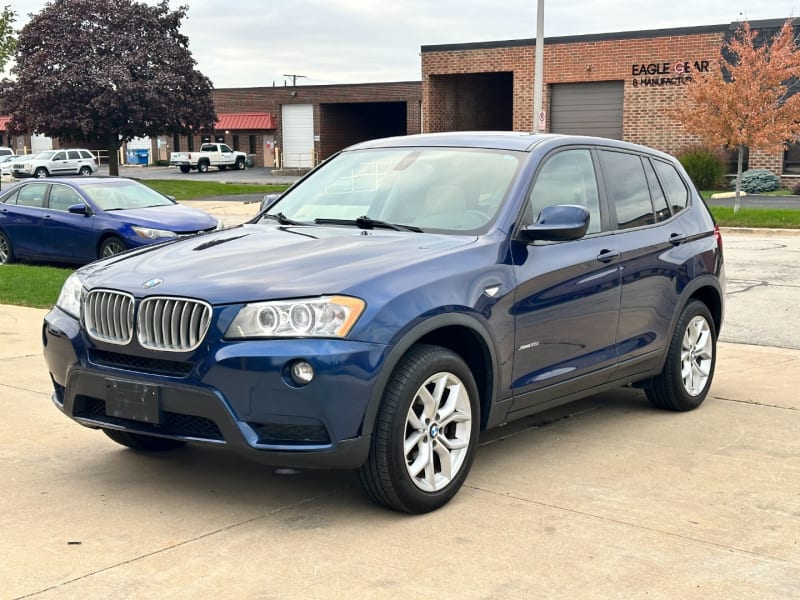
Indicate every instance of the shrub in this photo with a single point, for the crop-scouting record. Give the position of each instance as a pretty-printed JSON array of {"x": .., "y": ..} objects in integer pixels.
[
  {"x": 704, "y": 166},
  {"x": 757, "y": 181}
]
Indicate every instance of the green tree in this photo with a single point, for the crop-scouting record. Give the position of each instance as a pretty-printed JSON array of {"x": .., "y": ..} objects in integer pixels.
[
  {"x": 105, "y": 73},
  {"x": 8, "y": 43},
  {"x": 747, "y": 100}
]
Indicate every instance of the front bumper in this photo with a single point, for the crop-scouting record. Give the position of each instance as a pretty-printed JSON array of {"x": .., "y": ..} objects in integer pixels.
[{"x": 234, "y": 395}]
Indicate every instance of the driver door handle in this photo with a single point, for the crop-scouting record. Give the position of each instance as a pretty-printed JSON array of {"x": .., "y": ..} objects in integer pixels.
[{"x": 606, "y": 256}]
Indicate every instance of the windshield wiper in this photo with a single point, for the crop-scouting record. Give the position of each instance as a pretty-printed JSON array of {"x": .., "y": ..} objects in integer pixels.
[
  {"x": 368, "y": 223},
  {"x": 282, "y": 219}
]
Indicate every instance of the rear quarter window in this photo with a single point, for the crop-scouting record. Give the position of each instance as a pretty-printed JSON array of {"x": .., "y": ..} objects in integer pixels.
[{"x": 673, "y": 185}]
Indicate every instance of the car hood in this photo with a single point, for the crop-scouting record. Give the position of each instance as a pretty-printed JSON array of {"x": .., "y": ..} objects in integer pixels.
[
  {"x": 256, "y": 262},
  {"x": 172, "y": 217}
]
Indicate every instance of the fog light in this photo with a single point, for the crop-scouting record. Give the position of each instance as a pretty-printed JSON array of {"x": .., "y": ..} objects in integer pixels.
[{"x": 302, "y": 372}]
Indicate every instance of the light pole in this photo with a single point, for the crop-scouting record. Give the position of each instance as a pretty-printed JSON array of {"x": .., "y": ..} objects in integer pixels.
[{"x": 538, "y": 76}]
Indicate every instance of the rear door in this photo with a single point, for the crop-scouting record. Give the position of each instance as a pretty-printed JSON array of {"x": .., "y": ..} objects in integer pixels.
[
  {"x": 649, "y": 241},
  {"x": 21, "y": 219},
  {"x": 567, "y": 298}
]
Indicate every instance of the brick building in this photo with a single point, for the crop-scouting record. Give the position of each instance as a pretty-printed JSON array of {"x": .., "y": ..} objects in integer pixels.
[
  {"x": 297, "y": 126},
  {"x": 620, "y": 85}
]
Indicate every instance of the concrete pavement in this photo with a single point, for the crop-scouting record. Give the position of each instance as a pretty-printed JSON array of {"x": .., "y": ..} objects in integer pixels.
[{"x": 603, "y": 498}]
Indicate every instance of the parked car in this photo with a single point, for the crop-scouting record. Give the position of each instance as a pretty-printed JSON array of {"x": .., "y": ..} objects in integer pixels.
[
  {"x": 404, "y": 296},
  {"x": 79, "y": 220},
  {"x": 7, "y": 163},
  {"x": 6, "y": 151},
  {"x": 70, "y": 161}
]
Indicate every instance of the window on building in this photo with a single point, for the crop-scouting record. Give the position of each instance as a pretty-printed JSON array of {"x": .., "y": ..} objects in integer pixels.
[
  {"x": 235, "y": 142},
  {"x": 791, "y": 159},
  {"x": 252, "y": 144},
  {"x": 176, "y": 143},
  {"x": 731, "y": 157},
  {"x": 627, "y": 188}
]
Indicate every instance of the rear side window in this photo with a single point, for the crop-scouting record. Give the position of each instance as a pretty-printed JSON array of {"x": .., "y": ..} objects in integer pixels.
[
  {"x": 627, "y": 188},
  {"x": 32, "y": 195},
  {"x": 566, "y": 178},
  {"x": 675, "y": 189},
  {"x": 73, "y": 155},
  {"x": 656, "y": 193}
]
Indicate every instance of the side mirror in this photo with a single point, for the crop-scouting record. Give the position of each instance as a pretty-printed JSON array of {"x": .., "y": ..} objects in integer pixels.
[
  {"x": 80, "y": 209},
  {"x": 559, "y": 223},
  {"x": 269, "y": 201}
]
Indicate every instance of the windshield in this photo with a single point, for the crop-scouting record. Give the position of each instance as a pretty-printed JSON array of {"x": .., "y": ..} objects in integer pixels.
[
  {"x": 47, "y": 154},
  {"x": 123, "y": 194},
  {"x": 448, "y": 189}
]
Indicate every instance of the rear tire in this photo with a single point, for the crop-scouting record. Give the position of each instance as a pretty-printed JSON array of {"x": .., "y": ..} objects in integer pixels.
[
  {"x": 426, "y": 432},
  {"x": 85, "y": 171},
  {"x": 185, "y": 168},
  {"x": 6, "y": 251},
  {"x": 143, "y": 443},
  {"x": 689, "y": 369}
]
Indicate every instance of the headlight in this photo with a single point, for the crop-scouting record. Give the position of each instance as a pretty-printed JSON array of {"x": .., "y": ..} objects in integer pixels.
[
  {"x": 328, "y": 316},
  {"x": 69, "y": 300},
  {"x": 152, "y": 234}
]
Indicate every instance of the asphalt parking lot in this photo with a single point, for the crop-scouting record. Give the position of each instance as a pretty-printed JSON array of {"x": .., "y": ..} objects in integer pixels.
[{"x": 605, "y": 498}]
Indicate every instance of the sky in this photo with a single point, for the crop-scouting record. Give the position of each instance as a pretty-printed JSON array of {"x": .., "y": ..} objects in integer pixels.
[{"x": 252, "y": 43}]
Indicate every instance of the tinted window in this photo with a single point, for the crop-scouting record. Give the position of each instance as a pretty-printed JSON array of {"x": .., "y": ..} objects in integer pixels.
[
  {"x": 566, "y": 178},
  {"x": 656, "y": 193},
  {"x": 62, "y": 197},
  {"x": 86, "y": 154},
  {"x": 627, "y": 188},
  {"x": 60, "y": 156},
  {"x": 225, "y": 148},
  {"x": 73, "y": 155},
  {"x": 674, "y": 188}
]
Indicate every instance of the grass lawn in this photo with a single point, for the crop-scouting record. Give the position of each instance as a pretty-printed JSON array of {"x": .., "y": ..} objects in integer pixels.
[
  {"x": 31, "y": 285},
  {"x": 756, "y": 218},
  {"x": 196, "y": 190}
]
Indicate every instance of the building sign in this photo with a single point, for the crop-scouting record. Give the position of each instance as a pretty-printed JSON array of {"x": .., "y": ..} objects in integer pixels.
[{"x": 666, "y": 73}]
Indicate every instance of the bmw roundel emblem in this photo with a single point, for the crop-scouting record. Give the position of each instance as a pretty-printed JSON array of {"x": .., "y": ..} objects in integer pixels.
[{"x": 151, "y": 283}]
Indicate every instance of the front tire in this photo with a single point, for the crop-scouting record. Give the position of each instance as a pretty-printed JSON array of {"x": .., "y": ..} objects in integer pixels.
[
  {"x": 426, "y": 432},
  {"x": 40, "y": 173},
  {"x": 240, "y": 164},
  {"x": 684, "y": 382},
  {"x": 202, "y": 167},
  {"x": 142, "y": 443},
  {"x": 111, "y": 246},
  {"x": 6, "y": 251}
]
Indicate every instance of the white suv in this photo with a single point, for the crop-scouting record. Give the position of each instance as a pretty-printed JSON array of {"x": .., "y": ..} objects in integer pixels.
[{"x": 69, "y": 161}]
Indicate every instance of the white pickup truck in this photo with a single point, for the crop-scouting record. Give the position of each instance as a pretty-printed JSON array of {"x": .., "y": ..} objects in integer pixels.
[{"x": 210, "y": 155}]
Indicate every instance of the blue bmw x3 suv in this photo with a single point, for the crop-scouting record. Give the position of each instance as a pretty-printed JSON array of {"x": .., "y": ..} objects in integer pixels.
[{"x": 404, "y": 296}]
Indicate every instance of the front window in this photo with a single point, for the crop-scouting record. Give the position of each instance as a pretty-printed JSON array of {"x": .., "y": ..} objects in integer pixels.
[
  {"x": 123, "y": 195},
  {"x": 446, "y": 189}
]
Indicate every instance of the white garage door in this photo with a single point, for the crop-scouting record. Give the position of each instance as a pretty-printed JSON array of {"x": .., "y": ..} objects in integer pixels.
[
  {"x": 297, "y": 129},
  {"x": 40, "y": 143},
  {"x": 587, "y": 108}
]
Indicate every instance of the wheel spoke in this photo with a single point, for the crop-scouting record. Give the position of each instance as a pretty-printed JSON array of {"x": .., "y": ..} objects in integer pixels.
[
  {"x": 412, "y": 441},
  {"x": 422, "y": 460},
  {"x": 445, "y": 461}
]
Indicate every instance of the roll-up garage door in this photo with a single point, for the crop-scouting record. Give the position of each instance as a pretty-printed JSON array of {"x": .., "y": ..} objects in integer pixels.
[
  {"x": 297, "y": 132},
  {"x": 587, "y": 108}
]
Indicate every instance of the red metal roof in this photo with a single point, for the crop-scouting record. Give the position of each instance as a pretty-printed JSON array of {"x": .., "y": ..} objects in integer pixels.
[
  {"x": 4, "y": 122},
  {"x": 245, "y": 121}
]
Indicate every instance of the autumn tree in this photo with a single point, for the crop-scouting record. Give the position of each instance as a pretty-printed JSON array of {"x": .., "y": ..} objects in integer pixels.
[
  {"x": 106, "y": 72},
  {"x": 747, "y": 102}
]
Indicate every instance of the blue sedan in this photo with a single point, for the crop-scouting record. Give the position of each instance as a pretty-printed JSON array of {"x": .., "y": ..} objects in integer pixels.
[{"x": 79, "y": 220}]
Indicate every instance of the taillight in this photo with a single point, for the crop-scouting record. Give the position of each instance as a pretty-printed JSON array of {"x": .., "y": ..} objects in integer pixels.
[{"x": 718, "y": 236}]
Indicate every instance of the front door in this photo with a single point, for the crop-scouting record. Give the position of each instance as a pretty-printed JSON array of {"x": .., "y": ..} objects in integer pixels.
[{"x": 568, "y": 293}]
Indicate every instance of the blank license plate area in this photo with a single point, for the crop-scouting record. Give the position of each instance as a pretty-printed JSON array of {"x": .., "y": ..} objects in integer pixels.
[{"x": 132, "y": 400}]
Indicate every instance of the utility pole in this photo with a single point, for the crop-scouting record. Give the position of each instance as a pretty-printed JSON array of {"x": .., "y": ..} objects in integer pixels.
[
  {"x": 538, "y": 75},
  {"x": 294, "y": 78}
]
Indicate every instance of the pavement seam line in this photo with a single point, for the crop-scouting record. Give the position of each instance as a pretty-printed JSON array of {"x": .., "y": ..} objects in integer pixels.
[
  {"x": 754, "y": 403},
  {"x": 635, "y": 526},
  {"x": 22, "y": 389},
  {"x": 178, "y": 544}
]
